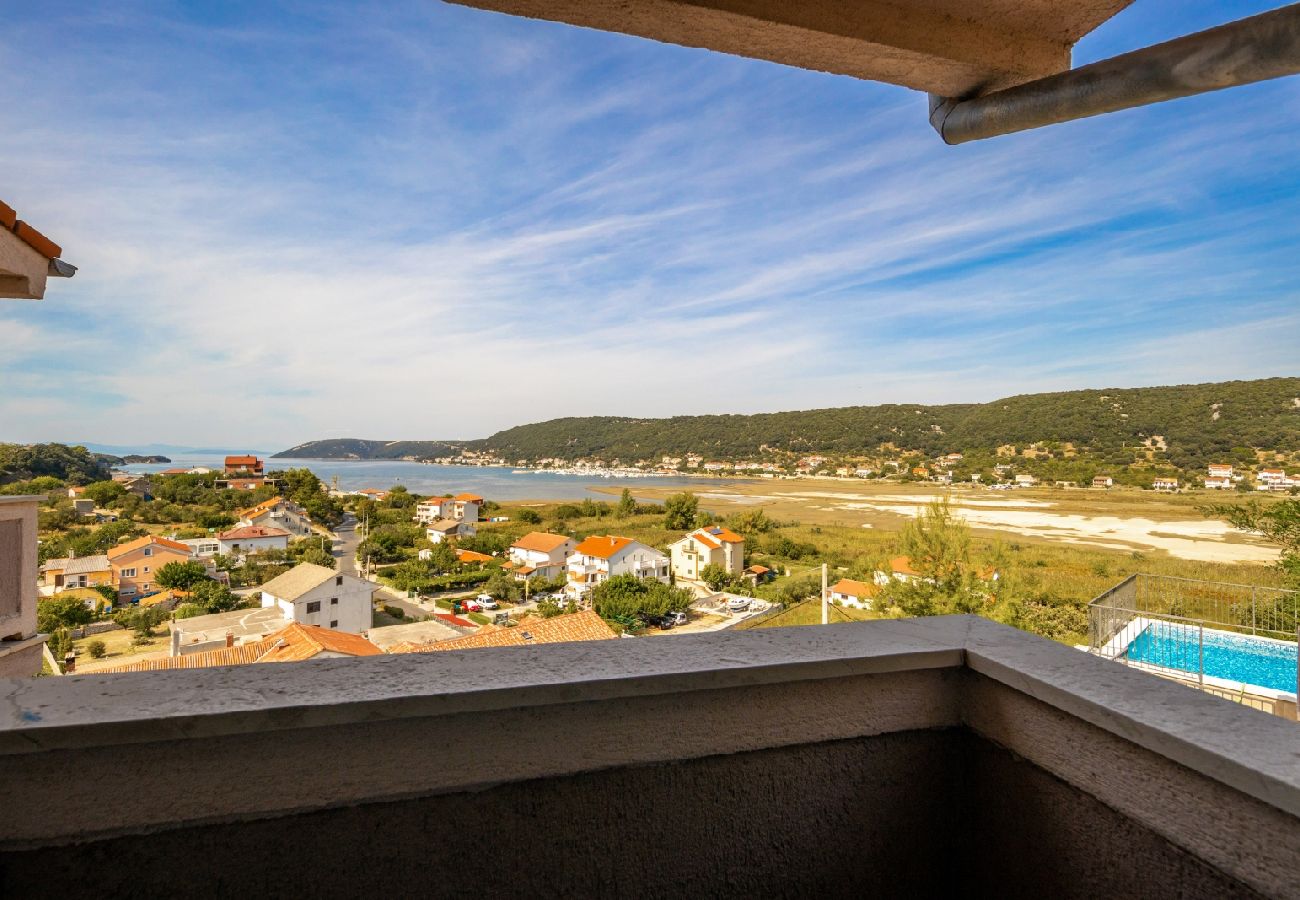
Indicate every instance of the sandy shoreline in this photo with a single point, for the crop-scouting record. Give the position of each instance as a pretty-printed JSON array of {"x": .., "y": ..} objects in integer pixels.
[{"x": 1118, "y": 520}]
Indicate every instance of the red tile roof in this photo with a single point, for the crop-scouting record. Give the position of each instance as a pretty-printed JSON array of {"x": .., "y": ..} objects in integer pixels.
[
  {"x": 853, "y": 588},
  {"x": 540, "y": 541},
  {"x": 472, "y": 498},
  {"x": 579, "y": 626},
  {"x": 602, "y": 547},
  {"x": 467, "y": 556},
  {"x": 293, "y": 643},
  {"x": 252, "y": 531},
  {"x": 27, "y": 234},
  {"x": 140, "y": 543},
  {"x": 242, "y": 461},
  {"x": 901, "y": 565}
]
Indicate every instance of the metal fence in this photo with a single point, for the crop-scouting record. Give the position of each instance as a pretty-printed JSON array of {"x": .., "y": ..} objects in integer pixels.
[{"x": 1159, "y": 623}]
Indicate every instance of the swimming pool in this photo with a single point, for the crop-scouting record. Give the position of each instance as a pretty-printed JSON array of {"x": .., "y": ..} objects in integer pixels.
[{"x": 1270, "y": 664}]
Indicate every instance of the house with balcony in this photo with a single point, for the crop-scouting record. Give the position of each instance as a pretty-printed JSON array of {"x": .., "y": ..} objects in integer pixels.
[
  {"x": 136, "y": 563},
  {"x": 247, "y": 466},
  {"x": 599, "y": 558},
  {"x": 314, "y": 595},
  {"x": 462, "y": 507},
  {"x": 540, "y": 553},
  {"x": 1218, "y": 483},
  {"x": 278, "y": 513},
  {"x": 449, "y": 529},
  {"x": 1103, "y": 481},
  {"x": 1165, "y": 483},
  {"x": 712, "y": 545}
]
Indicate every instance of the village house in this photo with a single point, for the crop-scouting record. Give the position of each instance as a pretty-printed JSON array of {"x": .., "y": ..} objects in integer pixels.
[
  {"x": 252, "y": 539},
  {"x": 462, "y": 507},
  {"x": 1218, "y": 483},
  {"x": 277, "y": 513},
  {"x": 899, "y": 569},
  {"x": 848, "y": 592},
  {"x": 1220, "y": 470},
  {"x": 540, "y": 553},
  {"x": 757, "y": 574},
  {"x": 528, "y": 631},
  {"x": 1165, "y": 483},
  {"x": 76, "y": 572},
  {"x": 202, "y": 548},
  {"x": 314, "y": 595},
  {"x": 136, "y": 562},
  {"x": 711, "y": 545},
  {"x": 1102, "y": 481},
  {"x": 598, "y": 559},
  {"x": 448, "y": 529},
  {"x": 1025, "y": 480},
  {"x": 247, "y": 466}
]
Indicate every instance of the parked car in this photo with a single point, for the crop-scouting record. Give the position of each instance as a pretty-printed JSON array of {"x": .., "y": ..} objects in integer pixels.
[
  {"x": 738, "y": 604},
  {"x": 678, "y": 617},
  {"x": 485, "y": 601},
  {"x": 473, "y": 606}
]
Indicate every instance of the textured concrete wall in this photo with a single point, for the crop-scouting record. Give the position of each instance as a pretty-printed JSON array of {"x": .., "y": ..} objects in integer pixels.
[{"x": 916, "y": 814}]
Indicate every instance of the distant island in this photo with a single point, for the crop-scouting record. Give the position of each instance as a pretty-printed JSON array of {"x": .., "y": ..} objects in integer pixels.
[
  {"x": 134, "y": 459},
  {"x": 1133, "y": 434}
]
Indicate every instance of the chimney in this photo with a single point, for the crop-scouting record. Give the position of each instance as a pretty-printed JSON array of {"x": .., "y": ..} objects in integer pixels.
[{"x": 230, "y": 639}]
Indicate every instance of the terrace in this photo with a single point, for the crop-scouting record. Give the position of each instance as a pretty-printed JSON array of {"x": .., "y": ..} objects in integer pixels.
[{"x": 917, "y": 756}]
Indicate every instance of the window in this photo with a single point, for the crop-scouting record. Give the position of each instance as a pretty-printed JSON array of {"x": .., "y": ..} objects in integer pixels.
[
  {"x": 148, "y": 551},
  {"x": 334, "y": 601},
  {"x": 334, "y": 623},
  {"x": 313, "y": 607},
  {"x": 128, "y": 573},
  {"x": 146, "y": 570},
  {"x": 338, "y": 580}
]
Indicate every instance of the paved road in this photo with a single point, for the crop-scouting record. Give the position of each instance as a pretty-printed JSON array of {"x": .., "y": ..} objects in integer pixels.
[{"x": 345, "y": 548}]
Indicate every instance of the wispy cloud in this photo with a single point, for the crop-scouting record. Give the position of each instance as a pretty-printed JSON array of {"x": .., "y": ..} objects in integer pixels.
[{"x": 436, "y": 222}]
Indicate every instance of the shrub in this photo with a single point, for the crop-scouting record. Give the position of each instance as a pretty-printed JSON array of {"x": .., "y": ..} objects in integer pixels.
[
  {"x": 395, "y": 611},
  {"x": 96, "y": 649}
]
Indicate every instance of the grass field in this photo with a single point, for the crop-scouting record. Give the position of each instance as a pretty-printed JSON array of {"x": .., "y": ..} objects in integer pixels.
[{"x": 808, "y": 612}]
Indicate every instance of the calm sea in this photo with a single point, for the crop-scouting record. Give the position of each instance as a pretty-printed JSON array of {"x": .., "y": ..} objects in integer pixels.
[{"x": 491, "y": 482}]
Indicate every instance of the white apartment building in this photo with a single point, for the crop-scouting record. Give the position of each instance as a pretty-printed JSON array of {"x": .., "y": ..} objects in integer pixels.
[
  {"x": 277, "y": 513},
  {"x": 462, "y": 507},
  {"x": 599, "y": 558},
  {"x": 541, "y": 553},
  {"x": 712, "y": 545}
]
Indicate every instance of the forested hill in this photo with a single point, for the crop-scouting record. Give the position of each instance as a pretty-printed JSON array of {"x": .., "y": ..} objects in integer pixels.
[
  {"x": 357, "y": 448},
  {"x": 75, "y": 465},
  {"x": 1197, "y": 422}
]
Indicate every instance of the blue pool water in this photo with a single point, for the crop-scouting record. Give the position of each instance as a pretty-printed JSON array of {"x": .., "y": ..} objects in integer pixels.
[{"x": 1270, "y": 664}]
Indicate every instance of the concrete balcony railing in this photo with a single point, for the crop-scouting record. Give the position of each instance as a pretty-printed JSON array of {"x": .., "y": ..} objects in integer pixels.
[{"x": 902, "y": 758}]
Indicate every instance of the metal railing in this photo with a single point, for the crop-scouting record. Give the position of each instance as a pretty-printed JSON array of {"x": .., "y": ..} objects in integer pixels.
[{"x": 1159, "y": 623}]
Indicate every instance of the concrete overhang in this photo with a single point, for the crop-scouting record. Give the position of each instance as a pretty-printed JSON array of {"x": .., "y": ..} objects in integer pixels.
[
  {"x": 953, "y": 48},
  {"x": 27, "y": 259}
]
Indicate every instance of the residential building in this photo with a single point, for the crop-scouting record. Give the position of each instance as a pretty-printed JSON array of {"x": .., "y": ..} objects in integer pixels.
[
  {"x": 76, "y": 572},
  {"x": 540, "y": 553},
  {"x": 759, "y": 574},
  {"x": 202, "y": 548},
  {"x": 462, "y": 507},
  {"x": 1218, "y": 483},
  {"x": 246, "y": 466},
  {"x": 1024, "y": 479},
  {"x": 27, "y": 258},
  {"x": 528, "y": 631},
  {"x": 20, "y": 644},
  {"x": 278, "y": 512},
  {"x": 217, "y": 630},
  {"x": 448, "y": 529},
  {"x": 292, "y": 643},
  {"x": 373, "y": 494},
  {"x": 136, "y": 562},
  {"x": 712, "y": 545},
  {"x": 1217, "y": 470},
  {"x": 848, "y": 592},
  {"x": 899, "y": 569},
  {"x": 252, "y": 539},
  {"x": 314, "y": 595},
  {"x": 1165, "y": 483},
  {"x": 1102, "y": 481},
  {"x": 1275, "y": 480},
  {"x": 598, "y": 559},
  {"x": 240, "y": 484}
]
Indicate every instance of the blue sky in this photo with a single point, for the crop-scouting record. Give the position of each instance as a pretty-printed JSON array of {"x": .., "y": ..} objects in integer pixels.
[{"x": 416, "y": 220}]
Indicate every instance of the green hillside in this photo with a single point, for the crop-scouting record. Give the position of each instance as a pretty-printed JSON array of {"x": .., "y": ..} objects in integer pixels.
[{"x": 358, "y": 448}]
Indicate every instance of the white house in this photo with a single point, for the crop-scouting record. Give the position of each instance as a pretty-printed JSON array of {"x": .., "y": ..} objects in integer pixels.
[
  {"x": 1165, "y": 484},
  {"x": 541, "y": 553},
  {"x": 277, "y": 513},
  {"x": 1220, "y": 470},
  {"x": 446, "y": 529},
  {"x": 848, "y": 592},
  {"x": 711, "y": 545},
  {"x": 599, "y": 558},
  {"x": 252, "y": 539},
  {"x": 202, "y": 548},
  {"x": 1102, "y": 481},
  {"x": 1218, "y": 482},
  {"x": 1025, "y": 480},
  {"x": 899, "y": 569},
  {"x": 1273, "y": 479},
  {"x": 314, "y": 595},
  {"x": 462, "y": 508}
]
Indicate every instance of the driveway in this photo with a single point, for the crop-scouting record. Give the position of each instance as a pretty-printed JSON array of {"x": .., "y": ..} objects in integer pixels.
[{"x": 345, "y": 545}]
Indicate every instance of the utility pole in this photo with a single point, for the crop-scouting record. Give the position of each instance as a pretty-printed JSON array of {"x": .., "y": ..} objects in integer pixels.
[{"x": 826, "y": 611}]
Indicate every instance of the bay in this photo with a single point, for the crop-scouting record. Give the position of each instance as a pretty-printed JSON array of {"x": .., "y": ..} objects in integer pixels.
[{"x": 501, "y": 483}]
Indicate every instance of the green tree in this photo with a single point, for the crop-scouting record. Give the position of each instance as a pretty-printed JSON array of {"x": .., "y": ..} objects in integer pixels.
[
  {"x": 1278, "y": 521},
  {"x": 680, "y": 511},
  {"x": 626, "y": 599},
  {"x": 96, "y": 649},
  {"x": 213, "y": 596},
  {"x": 717, "y": 577},
  {"x": 181, "y": 575},
  {"x": 529, "y": 517},
  {"x": 626, "y": 505},
  {"x": 53, "y": 613},
  {"x": 501, "y": 586},
  {"x": 938, "y": 545},
  {"x": 105, "y": 493}
]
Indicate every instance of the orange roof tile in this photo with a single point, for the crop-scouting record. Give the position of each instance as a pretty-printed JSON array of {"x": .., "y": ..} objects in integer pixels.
[
  {"x": 901, "y": 565},
  {"x": 140, "y": 543},
  {"x": 540, "y": 541},
  {"x": 242, "y": 460},
  {"x": 722, "y": 533},
  {"x": 472, "y": 498},
  {"x": 296, "y": 642},
  {"x": 252, "y": 531},
  {"x": 853, "y": 588},
  {"x": 37, "y": 241},
  {"x": 602, "y": 547},
  {"x": 466, "y": 556},
  {"x": 579, "y": 626},
  {"x": 224, "y": 656}
]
